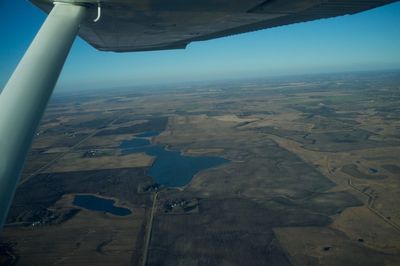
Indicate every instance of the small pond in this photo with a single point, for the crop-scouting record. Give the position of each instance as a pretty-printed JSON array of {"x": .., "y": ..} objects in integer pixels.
[
  {"x": 94, "y": 203},
  {"x": 373, "y": 170}
]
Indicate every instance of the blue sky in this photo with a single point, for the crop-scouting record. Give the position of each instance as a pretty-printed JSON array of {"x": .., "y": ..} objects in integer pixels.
[{"x": 365, "y": 41}]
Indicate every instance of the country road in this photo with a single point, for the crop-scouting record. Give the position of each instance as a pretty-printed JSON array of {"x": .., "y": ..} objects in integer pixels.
[{"x": 148, "y": 234}]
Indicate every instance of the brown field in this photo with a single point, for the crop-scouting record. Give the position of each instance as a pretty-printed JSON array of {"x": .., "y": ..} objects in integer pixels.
[
  {"x": 73, "y": 162},
  {"x": 109, "y": 240},
  {"x": 312, "y": 179}
]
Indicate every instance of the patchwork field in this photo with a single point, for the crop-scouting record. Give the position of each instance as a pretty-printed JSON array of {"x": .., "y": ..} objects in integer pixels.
[{"x": 312, "y": 178}]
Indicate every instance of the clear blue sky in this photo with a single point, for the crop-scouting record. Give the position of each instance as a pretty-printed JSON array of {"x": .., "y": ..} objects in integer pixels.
[{"x": 365, "y": 41}]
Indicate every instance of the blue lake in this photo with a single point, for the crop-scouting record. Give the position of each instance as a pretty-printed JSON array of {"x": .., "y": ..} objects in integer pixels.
[
  {"x": 148, "y": 134},
  {"x": 94, "y": 203},
  {"x": 171, "y": 168},
  {"x": 133, "y": 144}
]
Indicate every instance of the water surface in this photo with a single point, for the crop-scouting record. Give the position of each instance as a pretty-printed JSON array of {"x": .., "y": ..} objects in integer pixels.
[
  {"x": 94, "y": 203},
  {"x": 171, "y": 168},
  {"x": 148, "y": 134},
  {"x": 373, "y": 170}
]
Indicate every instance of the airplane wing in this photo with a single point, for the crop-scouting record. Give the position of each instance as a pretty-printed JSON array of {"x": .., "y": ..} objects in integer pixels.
[{"x": 144, "y": 25}]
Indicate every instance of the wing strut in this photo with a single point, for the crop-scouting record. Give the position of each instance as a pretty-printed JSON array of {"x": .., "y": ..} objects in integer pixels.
[{"x": 25, "y": 96}]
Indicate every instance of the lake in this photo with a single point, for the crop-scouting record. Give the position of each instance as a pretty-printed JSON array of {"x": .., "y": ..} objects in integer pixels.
[
  {"x": 148, "y": 134},
  {"x": 373, "y": 170},
  {"x": 94, "y": 203},
  {"x": 171, "y": 168}
]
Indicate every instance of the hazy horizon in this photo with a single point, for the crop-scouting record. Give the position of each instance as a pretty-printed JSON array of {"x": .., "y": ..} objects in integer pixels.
[
  {"x": 368, "y": 41},
  {"x": 184, "y": 85}
]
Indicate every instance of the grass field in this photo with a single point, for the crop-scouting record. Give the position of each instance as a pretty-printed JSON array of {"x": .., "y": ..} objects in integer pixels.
[{"x": 312, "y": 178}]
